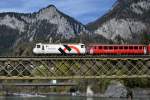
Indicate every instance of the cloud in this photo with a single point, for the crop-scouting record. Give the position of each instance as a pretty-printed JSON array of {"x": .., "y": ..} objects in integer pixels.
[{"x": 83, "y": 10}]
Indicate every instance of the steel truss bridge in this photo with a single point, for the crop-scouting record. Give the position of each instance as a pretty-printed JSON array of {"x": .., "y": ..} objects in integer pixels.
[{"x": 75, "y": 67}]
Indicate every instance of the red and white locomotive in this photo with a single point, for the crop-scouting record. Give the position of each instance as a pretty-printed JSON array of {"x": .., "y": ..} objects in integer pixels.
[
  {"x": 59, "y": 49},
  {"x": 97, "y": 49}
]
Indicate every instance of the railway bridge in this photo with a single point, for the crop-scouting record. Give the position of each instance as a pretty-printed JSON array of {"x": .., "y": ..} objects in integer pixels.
[{"x": 74, "y": 67}]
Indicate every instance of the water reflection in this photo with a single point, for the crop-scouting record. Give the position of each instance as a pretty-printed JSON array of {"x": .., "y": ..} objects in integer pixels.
[
  {"x": 89, "y": 98},
  {"x": 66, "y": 98}
]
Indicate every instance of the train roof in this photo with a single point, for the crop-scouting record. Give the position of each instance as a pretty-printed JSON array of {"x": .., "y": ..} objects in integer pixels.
[
  {"x": 61, "y": 43},
  {"x": 116, "y": 45}
]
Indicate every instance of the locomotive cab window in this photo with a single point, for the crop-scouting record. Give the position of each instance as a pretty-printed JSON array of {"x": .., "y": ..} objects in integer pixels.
[
  {"x": 38, "y": 46},
  {"x": 82, "y": 46}
]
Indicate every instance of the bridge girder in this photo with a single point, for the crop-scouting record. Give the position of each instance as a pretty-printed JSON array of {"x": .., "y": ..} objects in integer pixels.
[{"x": 73, "y": 68}]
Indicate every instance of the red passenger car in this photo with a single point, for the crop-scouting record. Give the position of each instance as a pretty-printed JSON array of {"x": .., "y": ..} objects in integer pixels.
[
  {"x": 118, "y": 49},
  {"x": 148, "y": 49}
]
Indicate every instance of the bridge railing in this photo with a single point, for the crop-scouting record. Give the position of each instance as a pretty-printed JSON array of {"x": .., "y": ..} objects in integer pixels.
[{"x": 73, "y": 68}]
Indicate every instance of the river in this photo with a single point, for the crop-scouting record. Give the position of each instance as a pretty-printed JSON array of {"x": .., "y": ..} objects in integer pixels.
[{"x": 66, "y": 98}]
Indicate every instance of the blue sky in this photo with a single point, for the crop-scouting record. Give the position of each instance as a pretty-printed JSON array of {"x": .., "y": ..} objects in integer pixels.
[{"x": 84, "y": 11}]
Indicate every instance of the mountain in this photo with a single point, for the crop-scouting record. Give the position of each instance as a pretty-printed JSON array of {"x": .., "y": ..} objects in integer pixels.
[
  {"x": 127, "y": 22},
  {"x": 19, "y": 32}
]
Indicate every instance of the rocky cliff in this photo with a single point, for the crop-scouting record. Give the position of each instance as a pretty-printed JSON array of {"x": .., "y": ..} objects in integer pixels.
[
  {"x": 127, "y": 22},
  {"x": 47, "y": 25}
]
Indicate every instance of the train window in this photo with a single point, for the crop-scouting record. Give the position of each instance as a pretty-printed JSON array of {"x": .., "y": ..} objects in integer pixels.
[
  {"x": 82, "y": 46},
  {"x": 120, "y": 47},
  {"x": 37, "y": 46},
  {"x": 115, "y": 47},
  {"x": 136, "y": 47},
  {"x": 94, "y": 47},
  {"x": 140, "y": 47},
  {"x": 125, "y": 47},
  {"x": 100, "y": 47},
  {"x": 130, "y": 47},
  {"x": 105, "y": 47},
  {"x": 110, "y": 47}
]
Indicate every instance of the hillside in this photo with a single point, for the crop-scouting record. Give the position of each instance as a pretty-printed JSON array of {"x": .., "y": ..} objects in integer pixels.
[
  {"x": 127, "y": 22},
  {"x": 48, "y": 25}
]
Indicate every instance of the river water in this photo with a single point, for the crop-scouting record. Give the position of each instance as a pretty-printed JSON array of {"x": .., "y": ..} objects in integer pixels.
[{"x": 66, "y": 98}]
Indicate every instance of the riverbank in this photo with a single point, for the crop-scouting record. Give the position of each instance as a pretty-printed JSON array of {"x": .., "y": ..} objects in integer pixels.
[
  {"x": 90, "y": 88},
  {"x": 137, "y": 93},
  {"x": 60, "y": 97}
]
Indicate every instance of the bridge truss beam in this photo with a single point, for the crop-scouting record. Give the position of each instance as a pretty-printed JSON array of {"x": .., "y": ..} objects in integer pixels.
[{"x": 74, "y": 68}]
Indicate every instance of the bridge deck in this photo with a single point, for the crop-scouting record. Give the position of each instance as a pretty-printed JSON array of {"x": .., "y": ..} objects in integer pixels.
[{"x": 76, "y": 57}]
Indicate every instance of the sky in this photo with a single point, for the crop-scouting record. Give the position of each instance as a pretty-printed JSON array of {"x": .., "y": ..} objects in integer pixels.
[{"x": 84, "y": 11}]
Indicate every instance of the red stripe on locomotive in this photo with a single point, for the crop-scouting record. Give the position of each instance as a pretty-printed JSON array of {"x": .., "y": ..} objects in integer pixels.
[{"x": 73, "y": 47}]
